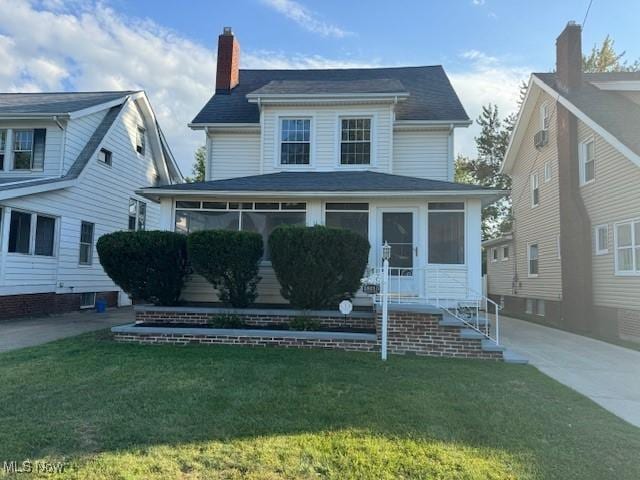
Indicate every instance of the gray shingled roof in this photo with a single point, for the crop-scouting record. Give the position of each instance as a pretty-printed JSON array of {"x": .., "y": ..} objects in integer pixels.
[
  {"x": 335, "y": 181},
  {"x": 610, "y": 109},
  {"x": 83, "y": 158},
  {"x": 431, "y": 96},
  {"x": 54, "y": 103},
  {"x": 321, "y": 87}
]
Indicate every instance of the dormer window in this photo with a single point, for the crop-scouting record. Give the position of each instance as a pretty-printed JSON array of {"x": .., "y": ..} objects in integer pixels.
[
  {"x": 28, "y": 149},
  {"x": 141, "y": 143},
  {"x": 355, "y": 141},
  {"x": 104, "y": 156},
  {"x": 295, "y": 141}
]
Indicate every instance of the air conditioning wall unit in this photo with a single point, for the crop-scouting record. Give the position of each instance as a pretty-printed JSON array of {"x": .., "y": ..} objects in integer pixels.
[{"x": 541, "y": 138}]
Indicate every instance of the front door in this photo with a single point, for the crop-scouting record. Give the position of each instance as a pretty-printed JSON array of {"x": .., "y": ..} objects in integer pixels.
[{"x": 398, "y": 228}]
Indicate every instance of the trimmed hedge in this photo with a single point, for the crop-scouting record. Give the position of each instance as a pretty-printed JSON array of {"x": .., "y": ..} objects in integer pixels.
[
  {"x": 317, "y": 267},
  {"x": 147, "y": 265},
  {"x": 229, "y": 261}
]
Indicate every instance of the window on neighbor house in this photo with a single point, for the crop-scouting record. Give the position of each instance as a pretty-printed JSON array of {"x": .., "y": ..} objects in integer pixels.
[
  {"x": 529, "y": 306},
  {"x": 104, "y": 156},
  {"x": 547, "y": 171},
  {"x": 602, "y": 239},
  {"x": 533, "y": 260},
  {"x": 295, "y": 141},
  {"x": 259, "y": 217},
  {"x": 355, "y": 141},
  {"x": 28, "y": 149},
  {"x": 141, "y": 141},
  {"x": 86, "y": 243},
  {"x": 446, "y": 233},
  {"x": 88, "y": 300},
  {"x": 587, "y": 162},
  {"x": 352, "y": 216},
  {"x": 535, "y": 190},
  {"x": 544, "y": 116},
  {"x": 505, "y": 253},
  {"x": 137, "y": 214},
  {"x": 3, "y": 145},
  {"x": 627, "y": 243},
  {"x": 540, "y": 308},
  {"x": 494, "y": 254}
]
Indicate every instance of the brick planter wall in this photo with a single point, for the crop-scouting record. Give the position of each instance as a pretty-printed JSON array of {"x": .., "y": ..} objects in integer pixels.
[
  {"x": 253, "y": 317},
  {"x": 418, "y": 331},
  {"x": 33, "y": 304}
]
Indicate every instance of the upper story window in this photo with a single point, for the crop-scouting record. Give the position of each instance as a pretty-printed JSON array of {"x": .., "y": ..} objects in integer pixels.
[
  {"x": 494, "y": 254},
  {"x": 3, "y": 145},
  {"x": 547, "y": 171},
  {"x": 587, "y": 162},
  {"x": 28, "y": 149},
  {"x": 295, "y": 141},
  {"x": 104, "y": 156},
  {"x": 141, "y": 141},
  {"x": 355, "y": 141},
  {"x": 137, "y": 214},
  {"x": 627, "y": 243},
  {"x": 544, "y": 116},
  {"x": 505, "y": 253},
  {"x": 535, "y": 190},
  {"x": 602, "y": 239}
]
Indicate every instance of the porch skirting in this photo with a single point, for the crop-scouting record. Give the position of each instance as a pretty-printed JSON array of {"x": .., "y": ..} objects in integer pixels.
[{"x": 412, "y": 329}]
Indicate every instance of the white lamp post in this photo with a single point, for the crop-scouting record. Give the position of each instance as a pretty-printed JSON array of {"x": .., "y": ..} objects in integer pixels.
[{"x": 386, "y": 255}]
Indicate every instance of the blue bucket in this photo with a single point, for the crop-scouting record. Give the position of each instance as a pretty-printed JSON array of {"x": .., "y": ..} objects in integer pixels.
[{"x": 101, "y": 306}]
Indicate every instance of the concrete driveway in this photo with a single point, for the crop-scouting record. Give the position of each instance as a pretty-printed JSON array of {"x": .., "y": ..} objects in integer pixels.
[
  {"x": 607, "y": 374},
  {"x": 22, "y": 333}
]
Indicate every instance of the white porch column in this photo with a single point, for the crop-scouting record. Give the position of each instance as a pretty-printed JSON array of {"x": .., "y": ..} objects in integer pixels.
[
  {"x": 166, "y": 214},
  {"x": 8, "y": 150},
  {"x": 474, "y": 246}
]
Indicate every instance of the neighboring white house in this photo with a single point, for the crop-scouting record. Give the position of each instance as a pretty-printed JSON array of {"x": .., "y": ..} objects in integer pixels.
[
  {"x": 69, "y": 167},
  {"x": 365, "y": 149}
]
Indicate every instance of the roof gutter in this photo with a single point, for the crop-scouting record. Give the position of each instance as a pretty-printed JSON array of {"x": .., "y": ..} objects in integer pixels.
[{"x": 35, "y": 116}]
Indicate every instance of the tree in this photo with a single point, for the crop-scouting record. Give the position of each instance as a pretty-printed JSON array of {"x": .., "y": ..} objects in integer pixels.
[
  {"x": 484, "y": 170},
  {"x": 605, "y": 59},
  {"x": 198, "y": 170}
]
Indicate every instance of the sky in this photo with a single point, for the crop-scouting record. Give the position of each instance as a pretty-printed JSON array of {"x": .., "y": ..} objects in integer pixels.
[{"x": 168, "y": 48}]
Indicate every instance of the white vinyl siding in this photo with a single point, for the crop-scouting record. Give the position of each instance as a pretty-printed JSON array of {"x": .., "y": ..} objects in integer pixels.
[
  {"x": 231, "y": 155},
  {"x": 500, "y": 274},
  {"x": 423, "y": 154},
  {"x": 101, "y": 197}
]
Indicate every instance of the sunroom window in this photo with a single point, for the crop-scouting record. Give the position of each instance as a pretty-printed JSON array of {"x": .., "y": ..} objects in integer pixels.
[
  {"x": 295, "y": 141},
  {"x": 259, "y": 217},
  {"x": 351, "y": 216},
  {"x": 446, "y": 233}
]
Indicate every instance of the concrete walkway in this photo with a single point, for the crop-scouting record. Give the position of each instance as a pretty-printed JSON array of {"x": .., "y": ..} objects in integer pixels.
[
  {"x": 607, "y": 374},
  {"x": 16, "y": 334}
]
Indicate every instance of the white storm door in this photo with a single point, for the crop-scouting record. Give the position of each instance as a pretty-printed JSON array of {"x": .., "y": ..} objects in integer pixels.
[{"x": 398, "y": 227}]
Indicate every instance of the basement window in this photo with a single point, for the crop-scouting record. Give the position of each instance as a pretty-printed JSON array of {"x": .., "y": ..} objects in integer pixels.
[{"x": 88, "y": 300}]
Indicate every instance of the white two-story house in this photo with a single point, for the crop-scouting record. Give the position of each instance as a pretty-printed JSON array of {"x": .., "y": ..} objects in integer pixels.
[
  {"x": 366, "y": 149},
  {"x": 69, "y": 167}
]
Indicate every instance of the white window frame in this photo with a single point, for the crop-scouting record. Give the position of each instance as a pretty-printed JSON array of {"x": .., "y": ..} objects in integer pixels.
[
  {"x": 30, "y": 150},
  {"x": 529, "y": 245},
  {"x": 547, "y": 171},
  {"x": 84, "y": 306},
  {"x": 505, "y": 257},
  {"x": 534, "y": 183},
  {"x": 372, "y": 143},
  {"x": 528, "y": 306},
  {"x": 90, "y": 244},
  {"x": 598, "y": 247},
  {"x": 635, "y": 243},
  {"x": 494, "y": 254},
  {"x": 32, "y": 232},
  {"x": 108, "y": 154},
  {"x": 582, "y": 154},
  {"x": 545, "y": 118},
  {"x": 278, "y": 143},
  {"x": 141, "y": 134},
  {"x": 137, "y": 216}
]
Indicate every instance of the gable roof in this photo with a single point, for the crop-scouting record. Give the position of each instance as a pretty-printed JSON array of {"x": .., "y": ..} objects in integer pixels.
[
  {"x": 608, "y": 112},
  {"x": 55, "y": 103},
  {"x": 431, "y": 96},
  {"x": 315, "y": 87}
]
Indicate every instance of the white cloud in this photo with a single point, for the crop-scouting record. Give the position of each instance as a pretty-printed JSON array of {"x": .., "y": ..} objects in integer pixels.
[
  {"x": 306, "y": 18},
  {"x": 94, "y": 48},
  {"x": 478, "y": 2},
  {"x": 485, "y": 79}
]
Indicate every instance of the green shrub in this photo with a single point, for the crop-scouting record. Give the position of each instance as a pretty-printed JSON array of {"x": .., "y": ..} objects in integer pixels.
[
  {"x": 317, "y": 267},
  {"x": 148, "y": 265},
  {"x": 304, "y": 324},
  {"x": 229, "y": 261},
  {"x": 227, "y": 321}
]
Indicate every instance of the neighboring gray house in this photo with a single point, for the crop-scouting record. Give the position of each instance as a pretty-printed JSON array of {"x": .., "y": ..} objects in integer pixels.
[
  {"x": 69, "y": 167},
  {"x": 574, "y": 158},
  {"x": 368, "y": 149}
]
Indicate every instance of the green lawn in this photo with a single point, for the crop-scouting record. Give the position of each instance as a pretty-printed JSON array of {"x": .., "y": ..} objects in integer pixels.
[{"x": 154, "y": 412}]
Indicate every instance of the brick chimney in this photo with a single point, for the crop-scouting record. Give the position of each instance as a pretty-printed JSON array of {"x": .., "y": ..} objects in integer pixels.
[
  {"x": 227, "y": 74},
  {"x": 569, "y": 57}
]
